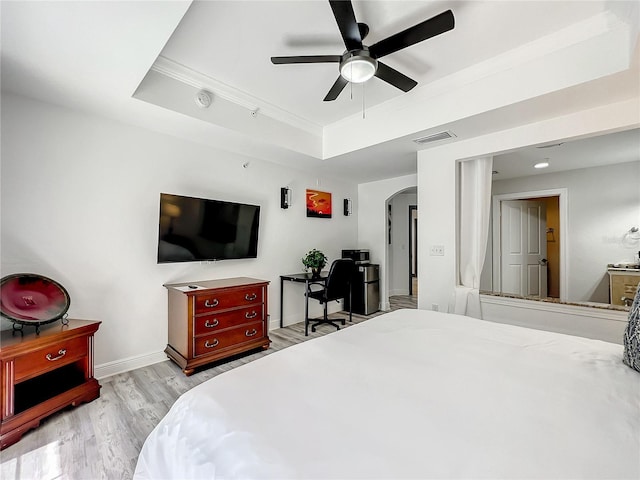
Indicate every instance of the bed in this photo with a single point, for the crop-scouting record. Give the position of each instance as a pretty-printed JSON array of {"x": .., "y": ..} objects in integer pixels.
[{"x": 410, "y": 394}]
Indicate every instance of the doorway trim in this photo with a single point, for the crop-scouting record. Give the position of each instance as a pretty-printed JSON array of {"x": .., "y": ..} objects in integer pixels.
[
  {"x": 413, "y": 230},
  {"x": 497, "y": 200}
]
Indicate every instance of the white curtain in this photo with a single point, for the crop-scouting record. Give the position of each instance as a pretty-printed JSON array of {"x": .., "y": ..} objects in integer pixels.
[{"x": 475, "y": 209}]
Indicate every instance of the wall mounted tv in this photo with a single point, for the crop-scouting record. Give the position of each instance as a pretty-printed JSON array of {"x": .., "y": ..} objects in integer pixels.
[{"x": 197, "y": 229}]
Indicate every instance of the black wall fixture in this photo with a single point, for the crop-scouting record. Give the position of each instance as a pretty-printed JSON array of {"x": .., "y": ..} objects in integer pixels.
[
  {"x": 347, "y": 207},
  {"x": 285, "y": 197}
]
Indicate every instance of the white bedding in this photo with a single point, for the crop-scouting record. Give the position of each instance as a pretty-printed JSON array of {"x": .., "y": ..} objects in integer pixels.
[{"x": 410, "y": 394}]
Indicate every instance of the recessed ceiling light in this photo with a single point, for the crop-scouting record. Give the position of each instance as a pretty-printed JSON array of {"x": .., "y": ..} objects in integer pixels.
[{"x": 544, "y": 164}]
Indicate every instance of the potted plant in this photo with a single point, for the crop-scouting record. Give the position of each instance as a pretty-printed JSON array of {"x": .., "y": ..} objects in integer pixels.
[{"x": 315, "y": 260}]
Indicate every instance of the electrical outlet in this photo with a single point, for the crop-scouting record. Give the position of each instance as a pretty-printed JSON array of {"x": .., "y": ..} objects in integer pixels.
[
  {"x": 436, "y": 250},
  {"x": 434, "y": 307}
]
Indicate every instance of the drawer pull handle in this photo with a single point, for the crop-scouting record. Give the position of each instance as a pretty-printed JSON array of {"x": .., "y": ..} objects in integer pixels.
[
  {"x": 61, "y": 353},
  {"x": 253, "y": 314},
  {"x": 211, "y": 325},
  {"x": 251, "y": 333},
  {"x": 211, "y": 305},
  {"x": 211, "y": 345},
  {"x": 248, "y": 297}
]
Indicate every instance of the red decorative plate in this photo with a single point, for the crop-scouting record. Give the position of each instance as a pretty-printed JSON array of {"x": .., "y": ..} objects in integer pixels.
[{"x": 32, "y": 299}]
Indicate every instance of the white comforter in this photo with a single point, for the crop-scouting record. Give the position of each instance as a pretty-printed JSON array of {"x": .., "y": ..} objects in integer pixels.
[{"x": 410, "y": 394}]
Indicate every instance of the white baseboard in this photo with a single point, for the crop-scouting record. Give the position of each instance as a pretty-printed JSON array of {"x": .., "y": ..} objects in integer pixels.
[
  {"x": 273, "y": 323},
  {"x": 401, "y": 291},
  {"x": 106, "y": 370}
]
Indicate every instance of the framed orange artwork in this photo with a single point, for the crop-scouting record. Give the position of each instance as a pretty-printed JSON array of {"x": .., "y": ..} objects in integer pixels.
[{"x": 318, "y": 204}]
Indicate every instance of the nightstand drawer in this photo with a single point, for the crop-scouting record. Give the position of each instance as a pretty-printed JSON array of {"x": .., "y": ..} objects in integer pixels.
[
  {"x": 207, "y": 324},
  {"x": 206, "y": 345},
  {"x": 228, "y": 299},
  {"x": 49, "y": 358}
]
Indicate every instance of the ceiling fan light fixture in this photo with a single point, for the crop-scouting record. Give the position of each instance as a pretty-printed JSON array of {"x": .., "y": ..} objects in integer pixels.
[{"x": 358, "y": 68}]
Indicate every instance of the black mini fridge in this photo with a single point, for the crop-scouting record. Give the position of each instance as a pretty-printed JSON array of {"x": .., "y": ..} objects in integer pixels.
[{"x": 365, "y": 291}]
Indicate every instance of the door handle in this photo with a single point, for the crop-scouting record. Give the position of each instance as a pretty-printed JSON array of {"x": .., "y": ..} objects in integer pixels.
[{"x": 543, "y": 261}]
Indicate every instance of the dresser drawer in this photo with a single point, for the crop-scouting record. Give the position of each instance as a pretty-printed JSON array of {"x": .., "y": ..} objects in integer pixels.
[
  {"x": 45, "y": 359},
  {"x": 207, "y": 324},
  {"x": 209, "y": 344},
  {"x": 207, "y": 303}
]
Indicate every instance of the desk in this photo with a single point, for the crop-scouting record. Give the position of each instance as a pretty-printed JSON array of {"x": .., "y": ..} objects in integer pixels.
[{"x": 305, "y": 278}]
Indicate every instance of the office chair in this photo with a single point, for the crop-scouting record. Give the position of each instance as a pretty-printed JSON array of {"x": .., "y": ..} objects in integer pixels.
[{"x": 336, "y": 287}]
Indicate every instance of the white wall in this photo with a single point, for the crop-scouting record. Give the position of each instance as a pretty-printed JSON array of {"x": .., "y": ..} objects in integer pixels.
[
  {"x": 596, "y": 223},
  {"x": 372, "y": 223},
  {"x": 80, "y": 199},
  {"x": 398, "y": 251},
  {"x": 437, "y": 190}
]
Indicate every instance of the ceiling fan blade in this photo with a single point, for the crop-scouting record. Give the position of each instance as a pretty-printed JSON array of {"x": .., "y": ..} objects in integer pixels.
[
  {"x": 416, "y": 34},
  {"x": 394, "y": 77},
  {"x": 306, "y": 59},
  {"x": 346, "y": 20},
  {"x": 338, "y": 86}
]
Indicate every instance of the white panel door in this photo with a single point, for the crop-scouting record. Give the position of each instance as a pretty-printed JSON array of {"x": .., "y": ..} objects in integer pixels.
[{"x": 523, "y": 244}]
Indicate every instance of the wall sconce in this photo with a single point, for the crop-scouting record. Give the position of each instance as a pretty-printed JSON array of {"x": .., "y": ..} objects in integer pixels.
[
  {"x": 631, "y": 238},
  {"x": 285, "y": 197},
  {"x": 348, "y": 207}
]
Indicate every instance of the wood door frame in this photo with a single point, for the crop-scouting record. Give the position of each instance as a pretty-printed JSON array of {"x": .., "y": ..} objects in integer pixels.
[
  {"x": 411, "y": 257},
  {"x": 562, "y": 193}
]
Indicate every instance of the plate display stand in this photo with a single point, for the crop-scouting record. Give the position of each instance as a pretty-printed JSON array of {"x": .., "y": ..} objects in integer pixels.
[{"x": 33, "y": 300}]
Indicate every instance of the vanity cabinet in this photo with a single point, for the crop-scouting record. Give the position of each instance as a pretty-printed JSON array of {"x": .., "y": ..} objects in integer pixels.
[
  {"x": 43, "y": 373},
  {"x": 623, "y": 283},
  {"x": 216, "y": 319}
]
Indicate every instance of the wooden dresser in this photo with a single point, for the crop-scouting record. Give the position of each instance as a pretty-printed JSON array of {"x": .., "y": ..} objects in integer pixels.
[
  {"x": 215, "y": 320},
  {"x": 44, "y": 373}
]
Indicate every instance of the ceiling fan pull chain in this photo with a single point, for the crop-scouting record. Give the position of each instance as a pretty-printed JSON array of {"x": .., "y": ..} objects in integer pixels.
[
  {"x": 351, "y": 83},
  {"x": 363, "y": 83}
]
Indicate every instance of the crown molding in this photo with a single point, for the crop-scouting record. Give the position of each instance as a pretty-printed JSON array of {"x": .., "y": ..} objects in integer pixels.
[{"x": 188, "y": 76}]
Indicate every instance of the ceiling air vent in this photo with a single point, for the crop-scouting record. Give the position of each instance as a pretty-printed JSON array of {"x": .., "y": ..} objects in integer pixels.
[{"x": 435, "y": 137}]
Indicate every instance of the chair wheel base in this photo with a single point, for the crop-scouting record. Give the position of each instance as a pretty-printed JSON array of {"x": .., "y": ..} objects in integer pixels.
[{"x": 325, "y": 322}]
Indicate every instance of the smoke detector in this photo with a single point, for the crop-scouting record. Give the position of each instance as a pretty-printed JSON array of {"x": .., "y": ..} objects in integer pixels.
[{"x": 203, "y": 99}]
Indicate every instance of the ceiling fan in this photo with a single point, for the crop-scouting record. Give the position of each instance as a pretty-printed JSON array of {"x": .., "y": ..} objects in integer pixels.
[{"x": 359, "y": 62}]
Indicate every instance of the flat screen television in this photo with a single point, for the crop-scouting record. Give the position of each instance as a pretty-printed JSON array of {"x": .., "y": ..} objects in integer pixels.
[{"x": 196, "y": 229}]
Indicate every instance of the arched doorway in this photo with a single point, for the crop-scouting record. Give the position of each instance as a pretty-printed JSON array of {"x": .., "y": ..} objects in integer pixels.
[{"x": 401, "y": 248}]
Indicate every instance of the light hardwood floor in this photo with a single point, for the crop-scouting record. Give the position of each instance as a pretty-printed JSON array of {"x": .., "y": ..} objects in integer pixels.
[{"x": 102, "y": 439}]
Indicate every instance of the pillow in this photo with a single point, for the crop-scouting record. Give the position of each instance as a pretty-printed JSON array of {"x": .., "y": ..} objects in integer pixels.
[{"x": 631, "y": 355}]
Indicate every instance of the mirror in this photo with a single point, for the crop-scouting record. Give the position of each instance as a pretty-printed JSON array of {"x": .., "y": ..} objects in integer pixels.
[{"x": 570, "y": 231}]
